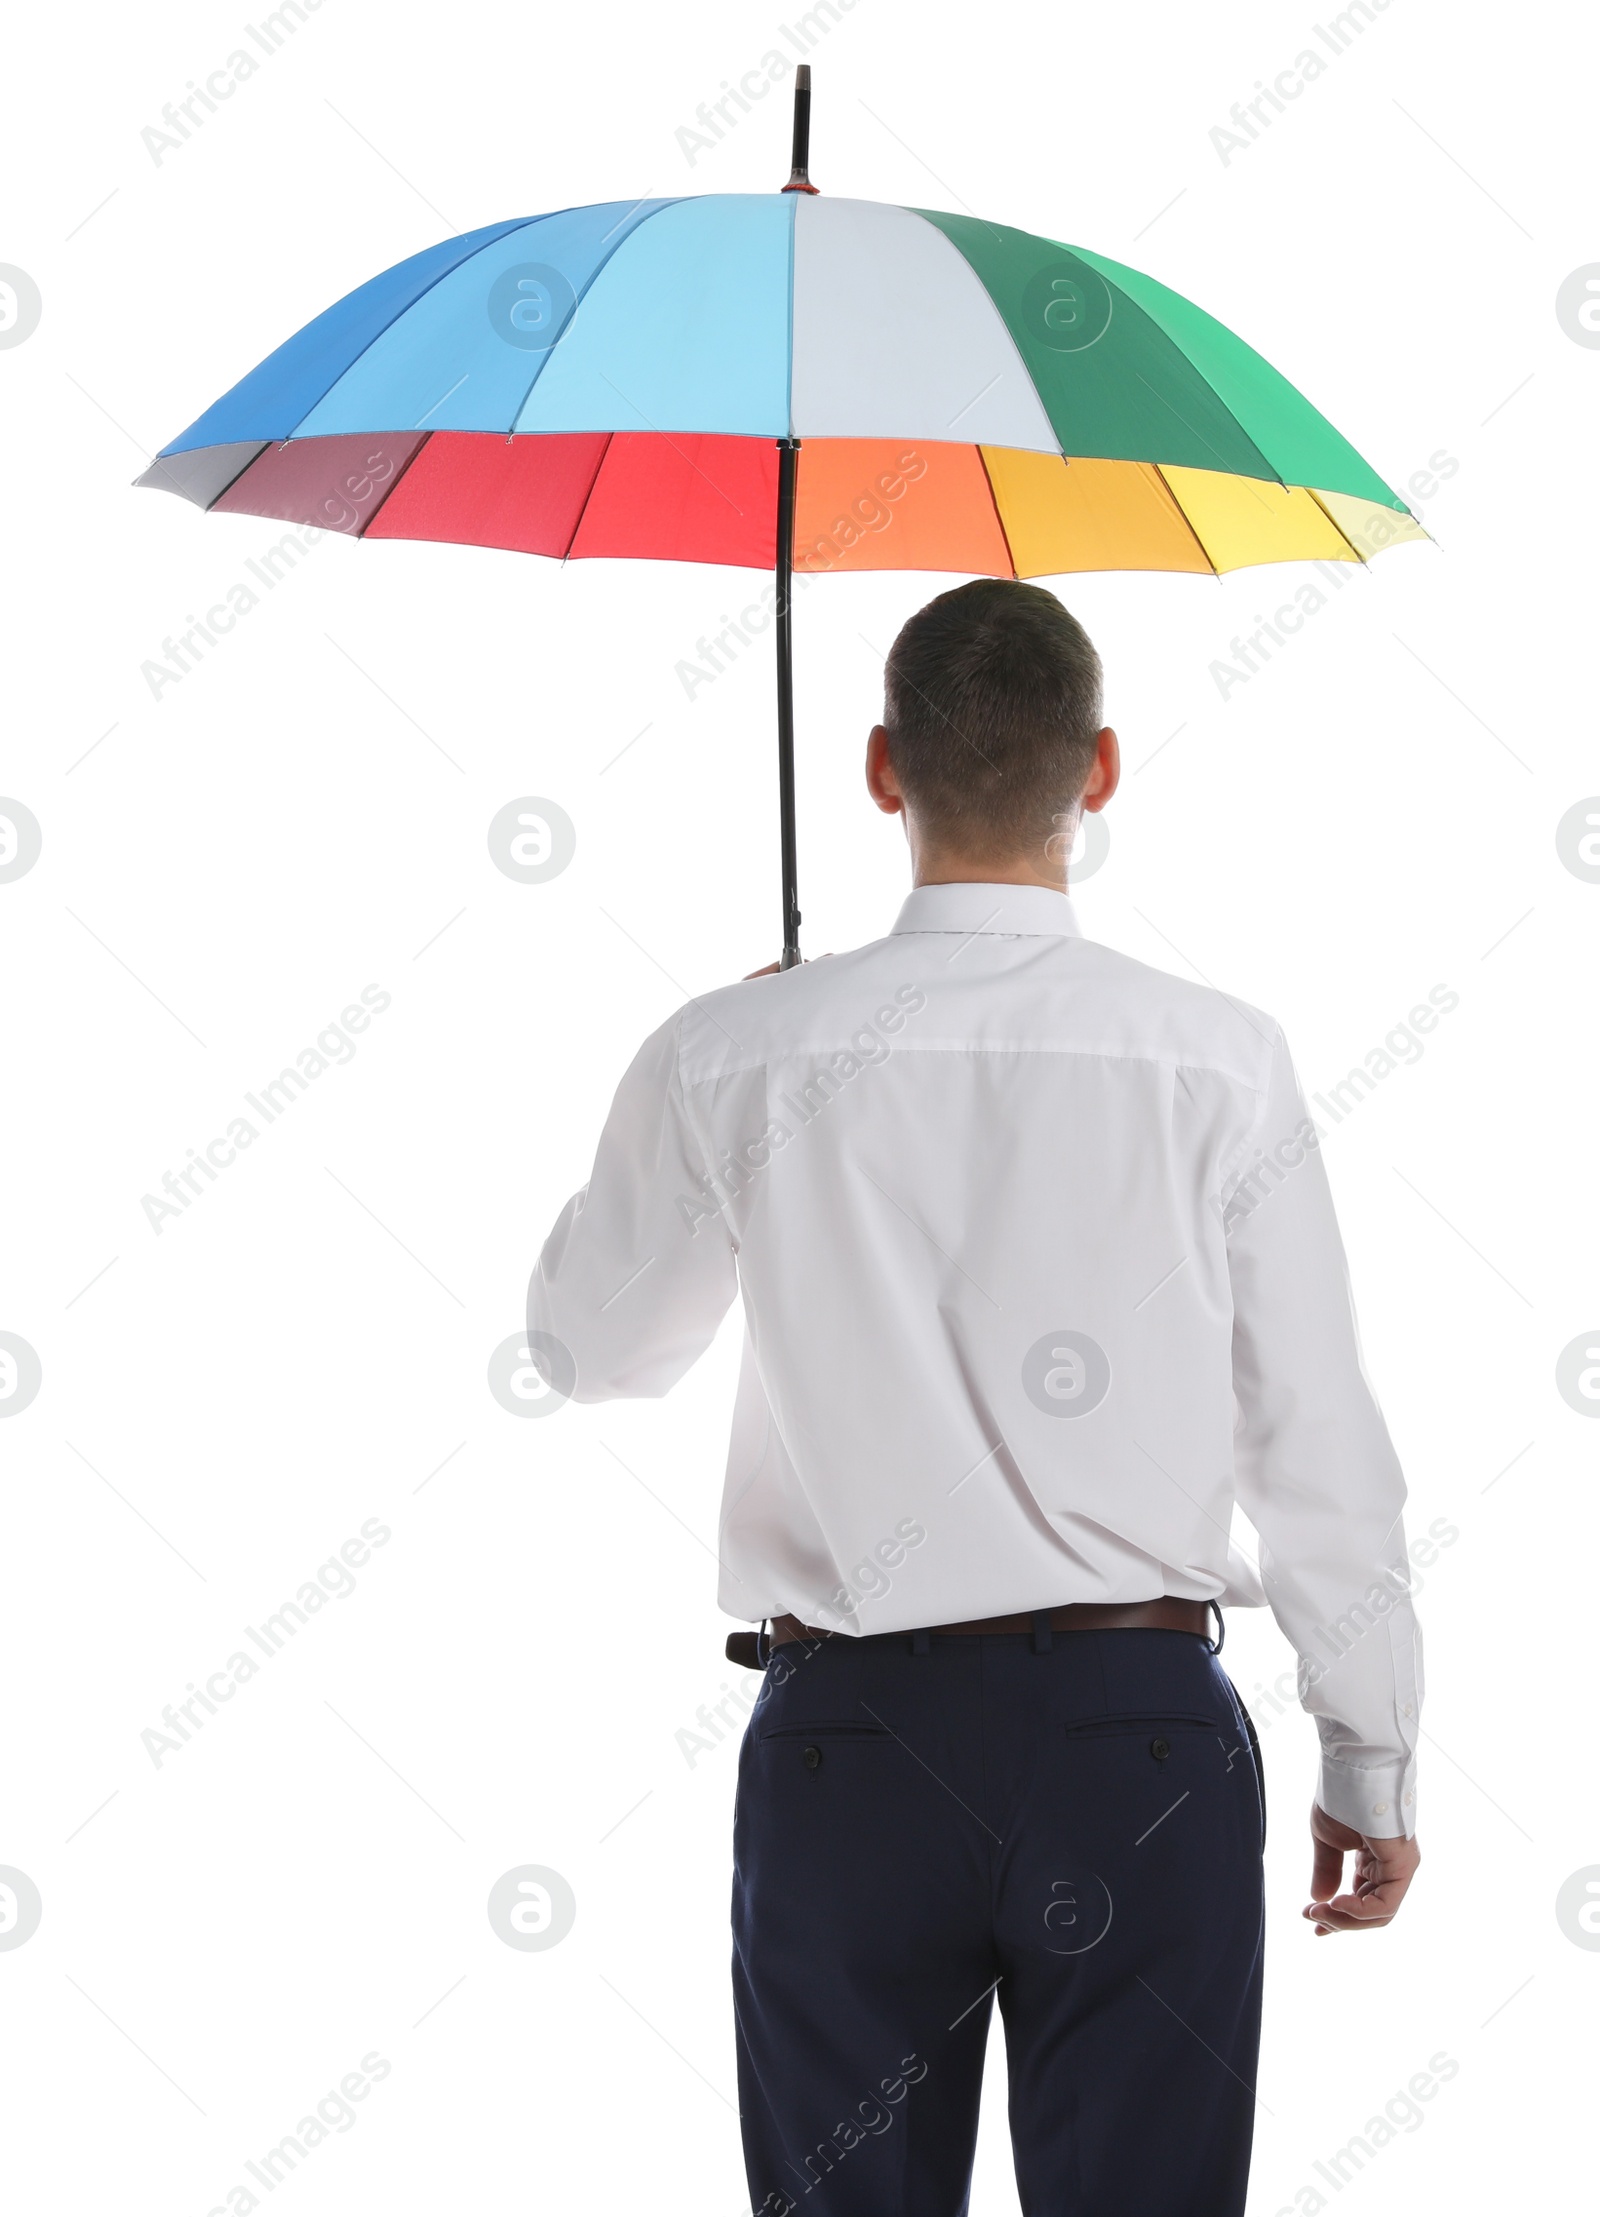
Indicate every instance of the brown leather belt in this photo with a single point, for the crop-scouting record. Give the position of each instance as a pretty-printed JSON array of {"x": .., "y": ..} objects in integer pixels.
[{"x": 1168, "y": 1614}]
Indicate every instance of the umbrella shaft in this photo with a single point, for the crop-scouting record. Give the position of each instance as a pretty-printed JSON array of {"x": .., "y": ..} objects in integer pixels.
[{"x": 788, "y": 453}]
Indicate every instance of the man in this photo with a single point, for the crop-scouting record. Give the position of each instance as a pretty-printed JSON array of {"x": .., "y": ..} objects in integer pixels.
[{"x": 1040, "y": 1276}]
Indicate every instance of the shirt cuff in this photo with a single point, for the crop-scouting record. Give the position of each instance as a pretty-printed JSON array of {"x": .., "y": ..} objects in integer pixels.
[{"x": 1381, "y": 1802}]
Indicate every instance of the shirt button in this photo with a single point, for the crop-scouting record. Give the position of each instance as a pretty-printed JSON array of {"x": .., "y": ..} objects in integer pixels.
[
  {"x": 1161, "y": 1749},
  {"x": 1379, "y": 1808},
  {"x": 1408, "y": 1710},
  {"x": 813, "y": 1758},
  {"x": 1410, "y": 1798}
]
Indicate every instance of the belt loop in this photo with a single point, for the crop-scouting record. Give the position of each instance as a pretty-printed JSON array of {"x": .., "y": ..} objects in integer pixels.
[
  {"x": 1222, "y": 1629},
  {"x": 763, "y": 1655},
  {"x": 1042, "y": 1642},
  {"x": 919, "y": 1643}
]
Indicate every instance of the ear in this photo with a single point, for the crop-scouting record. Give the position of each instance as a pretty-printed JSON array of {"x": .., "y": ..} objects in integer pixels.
[
  {"x": 1106, "y": 774},
  {"x": 882, "y": 783}
]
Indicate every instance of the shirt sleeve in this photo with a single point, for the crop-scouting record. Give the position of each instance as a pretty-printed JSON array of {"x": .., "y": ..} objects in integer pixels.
[
  {"x": 639, "y": 1269},
  {"x": 1315, "y": 1470}
]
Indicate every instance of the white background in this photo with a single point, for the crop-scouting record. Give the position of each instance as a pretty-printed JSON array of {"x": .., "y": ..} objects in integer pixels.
[{"x": 305, "y": 1348}]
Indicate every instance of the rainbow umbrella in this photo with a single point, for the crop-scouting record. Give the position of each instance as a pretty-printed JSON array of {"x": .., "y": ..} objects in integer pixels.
[{"x": 791, "y": 383}]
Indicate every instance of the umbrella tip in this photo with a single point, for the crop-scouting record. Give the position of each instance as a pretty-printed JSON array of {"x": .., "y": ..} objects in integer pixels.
[{"x": 799, "y": 177}]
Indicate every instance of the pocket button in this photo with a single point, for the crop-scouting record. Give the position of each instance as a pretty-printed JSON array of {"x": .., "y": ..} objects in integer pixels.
[
  {"x": 1161, "y": 1749},
  {"x": 813, "y": 1758}
]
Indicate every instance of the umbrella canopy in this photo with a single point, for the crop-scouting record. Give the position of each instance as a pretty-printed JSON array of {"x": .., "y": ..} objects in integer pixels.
[
  {"x": 791, "y": 383},
  {"x": 613, "y": 380}
]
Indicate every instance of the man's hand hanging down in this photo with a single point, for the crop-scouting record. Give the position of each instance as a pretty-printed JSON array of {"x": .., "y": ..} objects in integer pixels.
[{"x": 1383, "y": 1871}]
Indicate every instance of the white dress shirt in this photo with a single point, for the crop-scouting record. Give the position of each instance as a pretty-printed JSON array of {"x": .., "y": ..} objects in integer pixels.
[{"x": 1040, "y": 1277}]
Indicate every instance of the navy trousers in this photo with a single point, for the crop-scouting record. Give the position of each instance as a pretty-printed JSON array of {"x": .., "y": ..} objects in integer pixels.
[{"x": 1072, "y": 1822}]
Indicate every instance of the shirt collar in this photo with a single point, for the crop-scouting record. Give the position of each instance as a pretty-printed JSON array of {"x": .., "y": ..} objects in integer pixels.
[{"x": 1006, "y": 911}]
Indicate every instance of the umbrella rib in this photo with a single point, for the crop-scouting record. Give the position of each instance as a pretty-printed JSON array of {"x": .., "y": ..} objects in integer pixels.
[
  {"x": 577, "y": 526},
  {"x": 1277, "y": 477},
  {"x": 228, "y": 488},
  {"x": 1000, "y": 521},
  {"x": 579, "y": 298},
  {"x": 1188, "y": 525},
  {"x": 379, "y": 506},
  {"x": 1195, "y": 431},
  {"x": 677, "y": 450},
  {"x": 524, "y": 223},
  {"x": 1363, "y": 559},
  {"x": 160, "y": 460}
]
